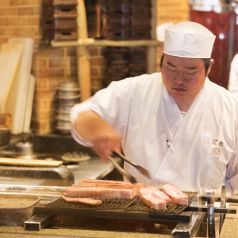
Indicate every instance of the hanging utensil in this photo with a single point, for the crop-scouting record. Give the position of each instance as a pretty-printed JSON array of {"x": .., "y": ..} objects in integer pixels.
[{"x": 142, "y": 170}]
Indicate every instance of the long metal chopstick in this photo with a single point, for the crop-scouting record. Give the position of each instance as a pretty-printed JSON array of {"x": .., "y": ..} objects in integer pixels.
[
  {"x": 123, "y": 172},
  {"x": 223, "y": 205},
  {"x": 142, "y": 170}
]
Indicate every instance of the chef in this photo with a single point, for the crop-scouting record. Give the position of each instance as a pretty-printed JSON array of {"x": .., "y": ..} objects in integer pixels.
[{"x": 177, "y": 124}]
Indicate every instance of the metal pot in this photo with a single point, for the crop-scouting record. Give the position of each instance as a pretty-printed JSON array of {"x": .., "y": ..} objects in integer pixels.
[
  {"x": 68, "y": 85},
  {"x": 67, "y": 94},
  {"x": 5, "y": 136},
  {"x": 24, "y": 148}
]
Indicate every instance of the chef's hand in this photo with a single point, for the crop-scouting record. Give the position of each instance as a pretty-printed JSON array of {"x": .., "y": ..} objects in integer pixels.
[
  {"x": 108, "y": 142},
  {"x": 103, "y": 137}
]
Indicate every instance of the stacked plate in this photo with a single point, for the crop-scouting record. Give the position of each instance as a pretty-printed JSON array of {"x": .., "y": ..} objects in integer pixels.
[{"x": 67, "y": 96}]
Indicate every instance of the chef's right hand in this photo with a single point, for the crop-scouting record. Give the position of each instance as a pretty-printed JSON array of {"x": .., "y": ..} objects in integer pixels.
[
  {"x": 103, "y": 137},
  {"x": 108, "y": 142}
]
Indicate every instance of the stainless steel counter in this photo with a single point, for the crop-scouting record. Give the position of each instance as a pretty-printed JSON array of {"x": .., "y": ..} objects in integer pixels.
[
  {"x": 53, "y": 147},
  {"x": 94, "y": 168}
]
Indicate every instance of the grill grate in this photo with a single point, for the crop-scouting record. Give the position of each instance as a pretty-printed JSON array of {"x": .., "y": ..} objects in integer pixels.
[
  {"x": 106, "y": 204},
  {"x": 122, "y": 204},
  {"x": 133, "y": 209}
]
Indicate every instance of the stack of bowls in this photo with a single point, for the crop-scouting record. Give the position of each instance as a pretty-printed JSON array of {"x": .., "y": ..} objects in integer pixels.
[{"x": 67, "y": 96}]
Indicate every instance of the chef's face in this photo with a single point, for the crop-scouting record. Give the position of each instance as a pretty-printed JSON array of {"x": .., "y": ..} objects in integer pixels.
[{"x": 183, "y": 77}]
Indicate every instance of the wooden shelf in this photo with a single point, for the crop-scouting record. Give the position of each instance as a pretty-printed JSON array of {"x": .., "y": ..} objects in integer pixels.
[
  {"x": 83, "y": 42},
  {"x": 83, "y": 56},
  {"x": 113, "y": 43}
]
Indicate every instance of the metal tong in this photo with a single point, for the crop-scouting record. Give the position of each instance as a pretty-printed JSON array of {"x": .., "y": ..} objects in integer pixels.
[
  {"x": 142, "y": 170},
  {"x": 122, "y": 171}
]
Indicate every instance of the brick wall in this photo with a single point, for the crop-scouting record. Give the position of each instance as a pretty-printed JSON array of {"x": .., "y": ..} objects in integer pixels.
[
  {"x": 171, "y": 11},
  {"x": 21, "y": 18},
  {"x": 97, "y": 67},
  {"x": 51, "y": 65}
]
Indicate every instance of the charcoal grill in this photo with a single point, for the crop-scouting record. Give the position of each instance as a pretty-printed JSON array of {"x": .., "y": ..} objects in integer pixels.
[
  {"x": 123, "y": 214},
  {"x": 133, "y": 209}
]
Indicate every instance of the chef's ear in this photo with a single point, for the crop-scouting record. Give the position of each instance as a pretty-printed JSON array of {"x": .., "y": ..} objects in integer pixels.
[{"x": 209, "y": 66}]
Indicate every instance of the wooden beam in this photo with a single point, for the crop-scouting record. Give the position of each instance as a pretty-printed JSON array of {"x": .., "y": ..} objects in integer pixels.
[
  {"x": 83, "y": 63},
  {"x": 93, "y": 42}
]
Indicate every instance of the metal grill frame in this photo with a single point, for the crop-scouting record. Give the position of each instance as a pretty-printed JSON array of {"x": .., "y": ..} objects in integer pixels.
[{"x": 133, "y": 209}]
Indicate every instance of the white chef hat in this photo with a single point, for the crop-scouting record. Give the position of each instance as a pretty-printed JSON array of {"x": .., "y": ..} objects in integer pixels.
[{"x": 189, "y": 39}]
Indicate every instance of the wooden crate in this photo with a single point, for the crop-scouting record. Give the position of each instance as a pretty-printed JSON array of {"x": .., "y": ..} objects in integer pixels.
[
  {"x": 65, "y": 24},
  {"x": 65, "y": 11},
  {"x": 65, "y": 35},
  {"x": 65, "y": 2}
]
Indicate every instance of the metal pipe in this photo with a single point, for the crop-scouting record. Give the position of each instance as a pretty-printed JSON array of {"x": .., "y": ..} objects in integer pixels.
[
  {"x": 223, "y": 205},
  {"x": 210, "y": 215}
]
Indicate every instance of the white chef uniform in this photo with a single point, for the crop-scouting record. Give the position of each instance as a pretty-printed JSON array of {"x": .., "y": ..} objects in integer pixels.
[
  {"x": 233, "y": 77},
  {"x": 194, "y": 151}
]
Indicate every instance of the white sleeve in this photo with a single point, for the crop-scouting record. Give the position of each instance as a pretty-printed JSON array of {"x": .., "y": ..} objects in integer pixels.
[
  {"x": 233, "y": 77},
  {"x": 75, "y": 111},
  {"x": 111, "y": 103}
]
